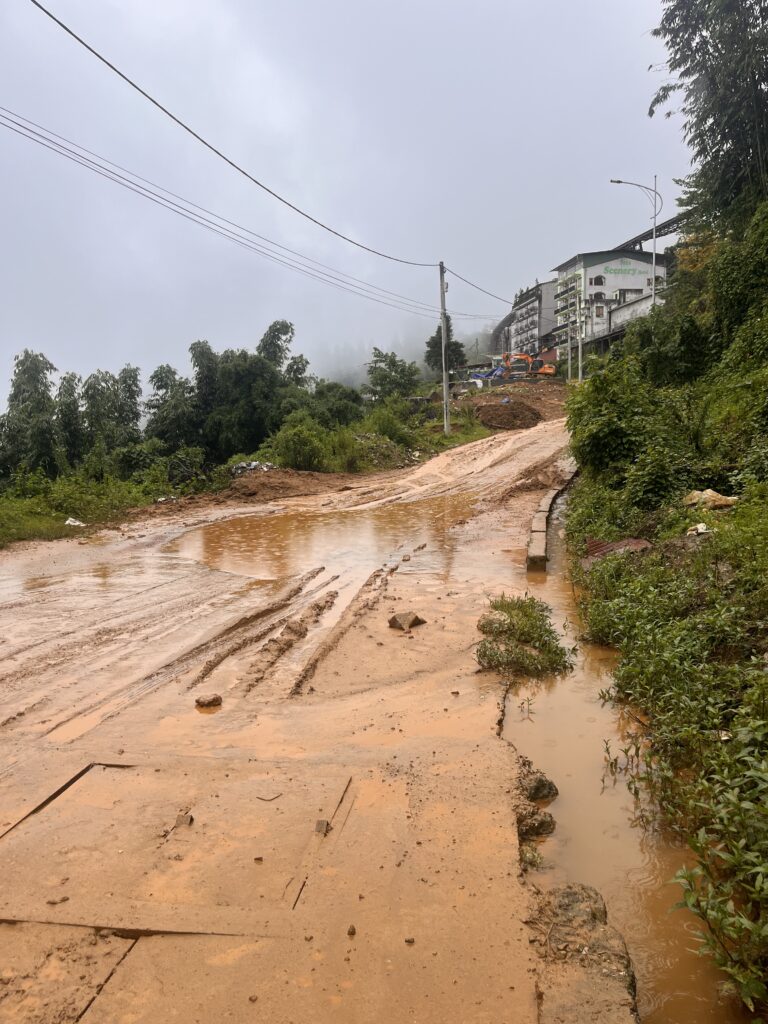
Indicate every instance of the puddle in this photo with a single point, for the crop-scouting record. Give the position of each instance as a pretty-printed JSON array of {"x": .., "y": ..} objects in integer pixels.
[
  {"x": 288, "y": 544},
  {"x": 561, "y": 726}
]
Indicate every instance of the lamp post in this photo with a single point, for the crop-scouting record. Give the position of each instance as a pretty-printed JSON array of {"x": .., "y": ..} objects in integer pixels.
[{"x": 658, "y": 204}]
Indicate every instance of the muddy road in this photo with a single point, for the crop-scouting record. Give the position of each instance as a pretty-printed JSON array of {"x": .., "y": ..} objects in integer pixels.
[{"x": 336, "y": 841}]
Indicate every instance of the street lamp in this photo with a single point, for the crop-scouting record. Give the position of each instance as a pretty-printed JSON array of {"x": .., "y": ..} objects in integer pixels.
[{"x": 658, "y": 204}]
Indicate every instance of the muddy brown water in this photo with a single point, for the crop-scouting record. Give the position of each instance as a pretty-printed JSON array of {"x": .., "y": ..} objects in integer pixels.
[
  {"x": 282, "y": 545},
  {"x": 562, "y": 730},
  {"x": 598, "y": 840}
]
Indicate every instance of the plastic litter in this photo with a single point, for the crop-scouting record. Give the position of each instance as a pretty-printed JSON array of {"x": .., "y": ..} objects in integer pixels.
[{"x": 73, "y": 522}]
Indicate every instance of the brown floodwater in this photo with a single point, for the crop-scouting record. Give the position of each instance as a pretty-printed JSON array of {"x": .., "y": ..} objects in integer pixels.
[
  {"x": 598, "y": 840},
  {"x": 286, "y": 544}
]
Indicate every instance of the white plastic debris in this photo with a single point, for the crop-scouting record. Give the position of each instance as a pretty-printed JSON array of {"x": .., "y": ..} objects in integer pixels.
[{"x": 73, "y": 522}]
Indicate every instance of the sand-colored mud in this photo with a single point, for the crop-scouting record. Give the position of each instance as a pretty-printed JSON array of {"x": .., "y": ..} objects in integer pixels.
[{"x": 410, "y": 905}]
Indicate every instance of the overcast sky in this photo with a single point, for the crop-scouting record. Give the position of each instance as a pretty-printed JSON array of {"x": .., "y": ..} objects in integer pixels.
[{"x": 480, "y": 132}]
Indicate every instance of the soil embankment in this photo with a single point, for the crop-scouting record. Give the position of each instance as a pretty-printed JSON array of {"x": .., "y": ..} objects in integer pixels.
[{"x": 337, "y": 839}]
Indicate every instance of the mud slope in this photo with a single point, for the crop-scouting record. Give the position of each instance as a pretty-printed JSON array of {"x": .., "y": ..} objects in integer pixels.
[{"x": 338, "y": 840}]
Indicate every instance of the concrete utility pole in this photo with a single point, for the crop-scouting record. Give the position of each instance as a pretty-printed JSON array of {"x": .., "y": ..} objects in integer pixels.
[{"x": 444, "y": 332}]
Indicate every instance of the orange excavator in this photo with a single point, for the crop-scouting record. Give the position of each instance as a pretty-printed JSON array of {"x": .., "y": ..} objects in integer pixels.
[{"x": 532, "y": 367}]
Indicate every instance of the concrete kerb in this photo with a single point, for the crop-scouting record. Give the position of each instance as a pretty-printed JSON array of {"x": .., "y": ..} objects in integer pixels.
[{"x": 536, "y": 559}]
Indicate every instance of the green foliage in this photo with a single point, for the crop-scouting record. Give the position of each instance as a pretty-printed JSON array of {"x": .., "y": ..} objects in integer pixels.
[
  {"x": 519, "y": 638},
  {"x": 300, "y": 445},
  {"x": 455, "y": 356},
  {"x": 390, "y": 377},
  {"x": 610, "y": 417},
  {"x": 276, "y": 343},
  {"x": 718, "y": 63}
]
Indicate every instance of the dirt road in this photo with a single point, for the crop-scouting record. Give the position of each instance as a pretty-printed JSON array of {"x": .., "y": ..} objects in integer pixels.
[{"x": 338, "y": 841}]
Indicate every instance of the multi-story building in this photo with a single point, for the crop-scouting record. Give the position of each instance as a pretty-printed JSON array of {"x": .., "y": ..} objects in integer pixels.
[
  {"x": 534, "y": 319},
  {"x": 591, "y": 285}
]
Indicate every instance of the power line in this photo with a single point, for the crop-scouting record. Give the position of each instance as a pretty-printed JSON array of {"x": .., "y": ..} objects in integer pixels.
[
  {"x": 508, "y": 302},
  {"x": 50, "y": 135},
  {"x": 362, "y": 289},
  {"x": 218, "y": 152}
]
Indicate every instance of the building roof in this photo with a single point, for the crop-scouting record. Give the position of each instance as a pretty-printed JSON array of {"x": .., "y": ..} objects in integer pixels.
[{"x": 611, "y": 254}]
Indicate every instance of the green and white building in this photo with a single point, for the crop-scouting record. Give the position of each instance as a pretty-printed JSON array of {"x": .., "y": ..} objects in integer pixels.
[{"x": 591, "y": 286}]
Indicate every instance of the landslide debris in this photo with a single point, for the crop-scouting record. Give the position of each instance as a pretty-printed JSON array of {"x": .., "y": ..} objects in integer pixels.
[{"x": 508, "y": 414}]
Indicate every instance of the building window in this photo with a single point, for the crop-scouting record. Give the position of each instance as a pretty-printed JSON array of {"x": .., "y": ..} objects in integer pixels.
[
  {"x": 598, "y": 281},
  {"x": 591, "y": 280},
  {"x": 599, "y": 296},
  {"x": 649, "y": 281},
  {"x": 600, "y": 311}
]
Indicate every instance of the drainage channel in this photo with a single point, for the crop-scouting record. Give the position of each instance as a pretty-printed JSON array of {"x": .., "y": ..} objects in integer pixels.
[{"x": 562, "y": 726}]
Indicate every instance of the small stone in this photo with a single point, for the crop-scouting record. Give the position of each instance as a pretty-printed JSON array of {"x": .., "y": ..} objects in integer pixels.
[
  {"x": 55, "y": 902},
  {"x": 184, "y": 818},
  {"x": 253, "y": 999},
  {"x": 351, "y": 931},
  {"x": 323, "y": 826},
  {"x": 409, "y": 941},
  {"x": 258, "y": 860},
  {"x": 210, "y": 700}
]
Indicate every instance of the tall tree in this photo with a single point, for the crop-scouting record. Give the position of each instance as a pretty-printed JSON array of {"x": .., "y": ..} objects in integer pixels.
[
  {"x": 276, "y": 343},
  {"x": 128, "y": 405},
  {"x": 455, "y": 356},
  {"x": 27, "y": 428},
  {"x": 295, "y": 371},
  {"x": 171, "y": 408},
  {"x": 718, "y": 55},
  {"x": 70, "y": 429},
  {"x": 389, "y": 376},
  {"x": 101, "y": 408},
  {"x": 246, "y": 408}
]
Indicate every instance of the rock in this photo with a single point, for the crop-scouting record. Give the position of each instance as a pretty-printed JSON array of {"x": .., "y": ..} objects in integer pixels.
[
  {"x": 55, "y": 902},
  {"x": 708, "y": 499},
  {"x": 406, "y": 621},
  {"x": 184, "y": 818},
  {"x": 409, "y": 941},
  {"x": 323, "y": 826},
  {"x": 351, "y": 931},
  {"x": 405, "y": 558},
  {"x": 533, "y": 822},
  {"x": 537, "y": 786},
  {"x": 211, "y": 700}
]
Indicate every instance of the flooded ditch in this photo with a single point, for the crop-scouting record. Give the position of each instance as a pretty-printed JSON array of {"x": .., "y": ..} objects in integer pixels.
[{"x": 561, "y": 725}]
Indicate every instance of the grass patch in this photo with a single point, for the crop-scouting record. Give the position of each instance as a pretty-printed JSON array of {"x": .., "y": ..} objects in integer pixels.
[
  {"x": 520, "y": 638},
  {"x": 26, "y": 519}
]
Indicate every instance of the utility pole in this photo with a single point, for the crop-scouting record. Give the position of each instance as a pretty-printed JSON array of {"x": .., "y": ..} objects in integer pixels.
[
  {"x": 655, "y": 200},
  {"x": 444, "y": 332},
  {"x": 578, "y": 328}
]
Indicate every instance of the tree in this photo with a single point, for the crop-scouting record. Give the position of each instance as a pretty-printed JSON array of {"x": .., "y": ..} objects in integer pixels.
[
  {"x": 455, "y": 356},
  {"x": 70, "y": 430},
  {"x": 27, "y": 428},
  {"x": 276, "y": 343},
  {"x": 718, "y": 51},
  {"x": 128, "y": 406},
  {"x": 101, "y": 408},
  {"x": 389, "y": 376},
  {"x": 246, "y": 409},
  {"x": 171, "y": 407},
  {"x": 295, "y": 371}
]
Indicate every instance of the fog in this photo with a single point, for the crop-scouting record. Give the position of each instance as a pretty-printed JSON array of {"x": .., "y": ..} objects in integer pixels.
[{"x": 483, "y": 134}]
